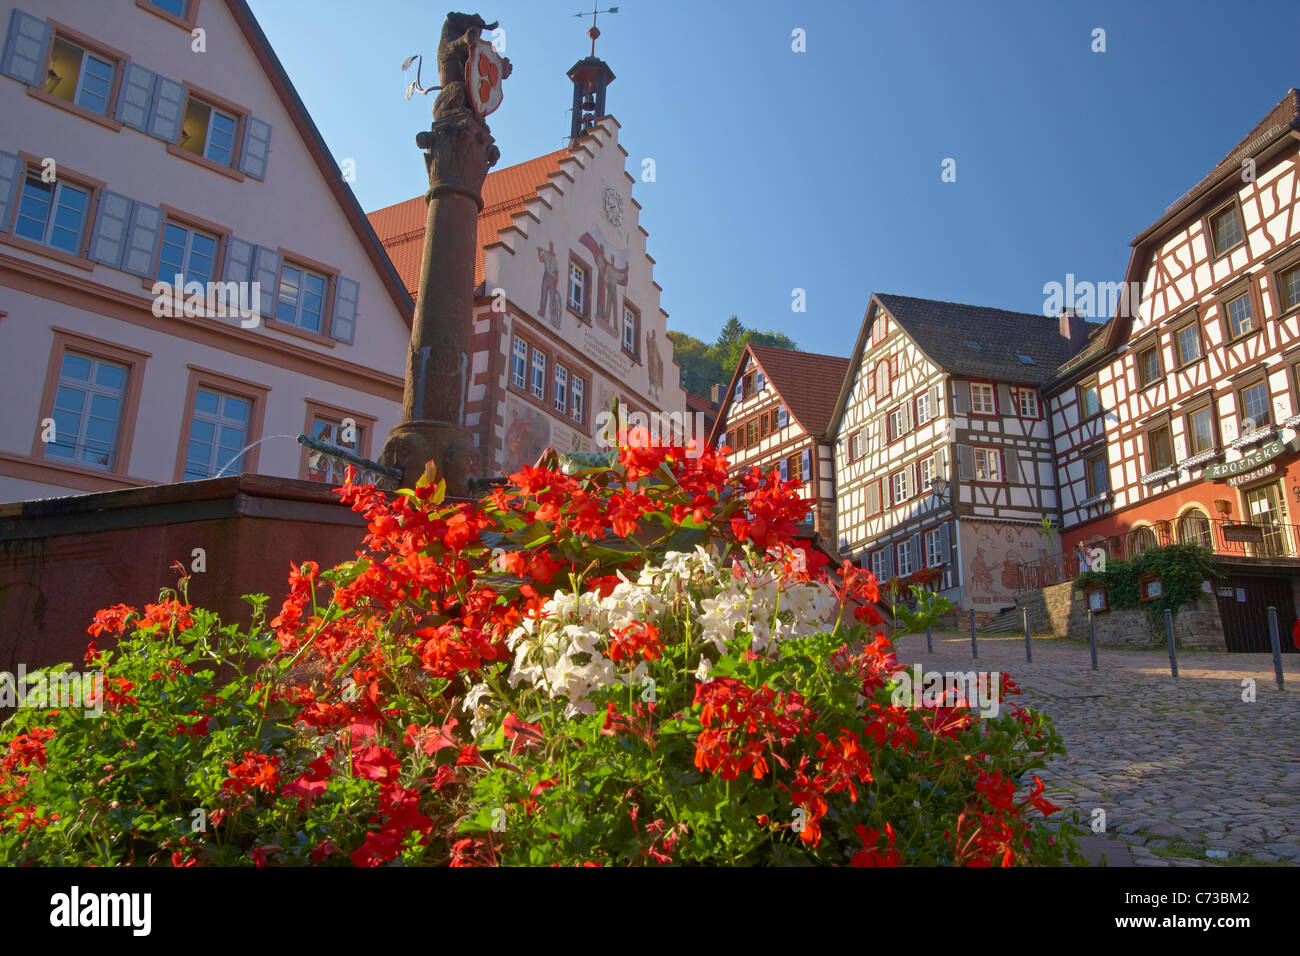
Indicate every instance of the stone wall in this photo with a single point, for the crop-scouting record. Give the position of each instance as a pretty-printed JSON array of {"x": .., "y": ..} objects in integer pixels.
[{"x": 1056, "y": 610}]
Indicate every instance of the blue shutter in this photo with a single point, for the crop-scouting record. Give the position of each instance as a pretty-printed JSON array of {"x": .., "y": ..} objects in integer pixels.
[
  {"x": 135, "y": 98},
  {"x": 11, "y": 174},
  {"x": 266, "y": 270},
  {"x": 805, "y": 464},
  {"x": 142, "y": 235},
  {"x": 25, "y": 46},
  {"x": 782, "y": 417},
  {"x": 945, "y": 543},
  {"x": 889, "y": 562},
  {"x": 257, "y": 148},
  {"x": 343, "y": 325},
  {"x": 166, "y": 109},
  {"x": 785, "y": 469},
  {"x": 239, "y": 261},
  {"x": 739, "y": 393},
  {"x": 108, "y": 236},
  {"x": 760, "y": 382}
]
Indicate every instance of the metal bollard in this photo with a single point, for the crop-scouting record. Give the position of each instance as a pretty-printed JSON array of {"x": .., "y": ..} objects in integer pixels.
[
  {"x": 1029, "y": 654},
  {"x": 1092, "y": 637},
  {"x": 1277, "y": 646},
  {"x": 929, "y": 640},
  {"x": 1169, "y": 633},
  {"x": 974, "y": 650}
]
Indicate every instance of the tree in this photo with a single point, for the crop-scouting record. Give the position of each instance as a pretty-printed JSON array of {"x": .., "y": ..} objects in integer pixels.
[{"x": 704, "y": 365}]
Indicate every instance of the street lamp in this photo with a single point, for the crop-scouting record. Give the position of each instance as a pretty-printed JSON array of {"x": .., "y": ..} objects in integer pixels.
[{"x": 940, "y": 488}]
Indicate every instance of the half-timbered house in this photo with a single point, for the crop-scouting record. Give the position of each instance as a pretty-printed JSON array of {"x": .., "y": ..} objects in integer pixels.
[
  {"x": 776, "y": 415},
  {"x": 1185, "y": 424},
  {"x": 942, "y": 451}
]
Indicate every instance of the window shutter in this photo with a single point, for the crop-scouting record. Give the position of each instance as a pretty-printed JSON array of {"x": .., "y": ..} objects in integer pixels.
[
  {"x": 936, "y": 396},
  {"x": 1004, "y": 401},
  {"x": 805, "y": 464},
  {"x": 917, "y": 550},
  {"x": 136, "y": 96},
  {"x": 961, "y": 396},
  {"x": 785, "y": 470},
  {"x": 945, "y": 543},
  {"x": 739, "y": 394},
  {"x": 722, "y": 439},
  {"x": 871, "y": 382},
  {"x": 344, "y": 323},
  {"x": 908, "y": 417},
  {"x": 782, "y": 417},
  {"x": 873, "y": 498},
  {"x": 893, "y": 366},
  {"x": 108, "y": 236},
  {"x": 11, "y": 173},
  {"x": 166, "y": 109},
  {"x": 142, "y": 240},
  {"x": 1010, "y": 465},
  {"x": 889, "y": 562},
  {"x": 941, "y": 463},
  {"x": 965, "y": 462},
  {"x": 257, "y": 148},
  {"x": 25, "y": 45},
  {"x": 239, "y": 260},
  {"x": 760, "y": 381},
  {"x": 266, "y": 270}
]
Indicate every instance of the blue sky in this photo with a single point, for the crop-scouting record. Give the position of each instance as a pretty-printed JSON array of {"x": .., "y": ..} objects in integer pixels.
[{"x": 821, "y": 170}]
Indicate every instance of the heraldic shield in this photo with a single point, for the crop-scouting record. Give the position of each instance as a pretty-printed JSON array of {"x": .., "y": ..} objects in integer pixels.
[{"x": 483, "y": 75}]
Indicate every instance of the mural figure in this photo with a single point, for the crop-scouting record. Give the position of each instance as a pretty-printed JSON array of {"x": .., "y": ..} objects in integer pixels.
[
  {"x": 528, "y": 435},
  {"x": 655, "y": 364},
  {"x": 1011, "y": 571},
  {"x": 609, "y": 276},
  {"x": 981, "y": 573},
  {"x": 550, "y": 304}
]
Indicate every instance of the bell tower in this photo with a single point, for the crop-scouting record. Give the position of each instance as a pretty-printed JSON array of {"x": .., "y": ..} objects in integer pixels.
[{"x": 590, "y": 75}]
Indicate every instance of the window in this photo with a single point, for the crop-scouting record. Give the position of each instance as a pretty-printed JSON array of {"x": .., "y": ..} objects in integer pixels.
[
  {"x": 577, "y": 288},
  {"x": 900, "y": 485},
  {"x": 302, "y": 299},
  {"x": 52, "y": 214},
  {"x": 631, "y": 329},
  {"x": 560, "y": 396},
  {"x": 748, "y": 384},
  {"x": 539, "y": 374},
  {"x": 881, "y": 379},
  {"x": 1194, "y": 528},
  {"x": 934, "y": 556},
  {"x": 923, "y": 411},
  {"x": 854, "y": 452},
  {"x": 1238, "y": 313},
  {"x": 897, "y": 423},
  {"x": 764, "y": 425},
  {"x": 219, "y": 430},
  {"x": 879, "y": 329},
  {"x": 1200, "y": 430},
  {"x": 577, "y": 400},
  {"x": 187, "y": 253},
  {"x": 333, "y": 432},
  {"x": 174, "y": 7},
  {"x": 904, "y": 560},
  {"x": 1225, "y": 229},
  {"x": 872, "y": 497},
  {"x": 79, "y": 76},
  {"x": 1160, "y": 448},
  {"x": 983, "y": 399},
  {"x": 1289, "y": 288},
  {"x": 1097, "y": 471},
  {"x": 794, "y": 468},
  {"x": 926, "y": 468},
  {"x": 1187, "y": 344},
  {"x": 1255, "y": 409},
  {"x": 519, "y": 363},
  {"x": 988, "y": 465},
  {"x": 1148, "y": 365},
  {"x": 1027, "y": 402},
  {"x": 88, "y": 404},
  {"x": 1089, "y": 400},
  {"x": 878, "y": 564},
  {"x": 209, "y": 132},
  {"x": 751, "y": 433},
  {"x": 776, "y": 416}
]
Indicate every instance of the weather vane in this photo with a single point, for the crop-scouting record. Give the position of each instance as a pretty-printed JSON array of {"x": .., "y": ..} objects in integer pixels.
[{"x": 594, "y": 32}]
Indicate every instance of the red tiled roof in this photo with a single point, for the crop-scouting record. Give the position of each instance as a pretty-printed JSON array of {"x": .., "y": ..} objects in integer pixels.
[
  {"x": 807, "y": 382},
  {"x": 505, "y": 192}
]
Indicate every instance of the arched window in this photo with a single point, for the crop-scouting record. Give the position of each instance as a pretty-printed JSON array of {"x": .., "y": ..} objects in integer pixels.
[
  {"x": 1142, "y": 539},
  {"x": 1194, "y": 528}
]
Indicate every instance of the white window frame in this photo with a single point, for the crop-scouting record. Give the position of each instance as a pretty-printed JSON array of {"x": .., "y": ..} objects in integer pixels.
[
  {"x": 519, "y": 363},
  {"x": 897, "y": 419},
  {"x": 577, "y": 287},
  {"x": 631, "y": 322},
  {"x": 539, "y": 374},
  {"x": 578, "y": 396},
  {"x": 933, "y": 548},
  {"x": 217, "y": 420},
  {"x": 925, "y": 469},
  {"x": 981, "y": 407},
  {"x": 923, "y": 410},
  {"x": 90, "y": 390},
  {"x": 878, "y": 564},
  {"x": 905, "y": 486},
  {"x": 1023, "y": 396},
  {"x": 51, "y": 211},
  {"x": 560, "y": 398},
  {"x": 902, "y": 556},
  {"x": 188, "y": 250},
  {"x": 992, "y": 465},
  {"x": 79, "y": 87},
  {"x": 322, "y": 317}
]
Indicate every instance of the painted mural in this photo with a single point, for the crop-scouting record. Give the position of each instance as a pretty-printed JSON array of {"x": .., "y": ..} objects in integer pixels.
[
  {"x": 655, "y": 365},
  {"x": 611, "y": 272},
  {"x": 528, "y": 433},
  {"x": 993, "y": 553},
  {"x": 549, "y": 308}
]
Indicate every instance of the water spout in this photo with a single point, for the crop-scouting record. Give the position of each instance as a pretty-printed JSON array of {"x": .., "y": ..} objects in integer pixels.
[{"x": 240, "y": 453}]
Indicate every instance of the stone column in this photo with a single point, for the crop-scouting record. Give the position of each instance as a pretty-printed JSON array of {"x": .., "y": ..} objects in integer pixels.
[{"x": 458, "y": 151}]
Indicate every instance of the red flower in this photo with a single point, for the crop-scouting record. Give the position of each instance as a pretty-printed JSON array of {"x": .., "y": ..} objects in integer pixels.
[
  {"x": 638, "y": 638},
  {"x": 868, "y": 855},
  {"x": 110, "y": 620},
  {"x": 256, "y": 771},
  {"x": 376, "y": 763},
  {"x": 522, "y": 735}
]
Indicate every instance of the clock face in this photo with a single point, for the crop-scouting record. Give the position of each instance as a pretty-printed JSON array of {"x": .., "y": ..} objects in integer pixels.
[{"x": 613, "y": 206}]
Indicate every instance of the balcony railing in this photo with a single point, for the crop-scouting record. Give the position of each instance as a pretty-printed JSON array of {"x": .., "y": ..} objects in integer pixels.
[{"x": 1248, "y": 539}]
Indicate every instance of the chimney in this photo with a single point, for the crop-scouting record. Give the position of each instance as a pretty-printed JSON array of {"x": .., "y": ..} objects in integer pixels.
[
  {"x": 1074, "y": 329},
  {"x": 715, "y": 395}
]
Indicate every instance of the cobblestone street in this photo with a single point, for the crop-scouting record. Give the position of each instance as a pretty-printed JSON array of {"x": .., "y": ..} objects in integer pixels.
[{"x": 1180, "y": 767}]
